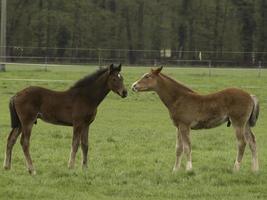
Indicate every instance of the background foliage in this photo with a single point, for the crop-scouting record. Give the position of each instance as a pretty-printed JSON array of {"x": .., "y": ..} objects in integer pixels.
[{"x": 219, "y": 26}]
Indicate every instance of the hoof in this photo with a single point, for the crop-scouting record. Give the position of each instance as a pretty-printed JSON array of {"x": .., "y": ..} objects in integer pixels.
[
  {"x": 255, "y": 166},
  {"x": 236, "y": 167},
  {"x": 189, "y": 167},
  {"x": 32, "y": 172},
  {"x": 189, "y": 170},
  {"x": 175, "y": 170},
  {"x": 255, "y": 169},
  {"x": 7, "y": 167},
  {"x": 84, "y": 167},
  {"x": 71, "y": 166}
]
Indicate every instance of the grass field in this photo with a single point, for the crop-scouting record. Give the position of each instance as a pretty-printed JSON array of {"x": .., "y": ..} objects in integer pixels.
[{"x": 132, "y": 144}]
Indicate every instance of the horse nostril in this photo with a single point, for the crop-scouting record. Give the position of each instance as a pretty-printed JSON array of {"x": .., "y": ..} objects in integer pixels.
[{"x": 124, "y": 93}]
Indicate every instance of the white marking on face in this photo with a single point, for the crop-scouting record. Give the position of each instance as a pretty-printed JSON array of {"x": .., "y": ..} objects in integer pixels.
[
  {"x": 133, "y": 88},
  {"x": 119, "y": 75},
  {"x": 145, "y": 75}
]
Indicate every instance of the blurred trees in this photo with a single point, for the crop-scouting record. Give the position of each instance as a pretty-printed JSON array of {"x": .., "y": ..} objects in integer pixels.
[{"x": 184, "y": 26}]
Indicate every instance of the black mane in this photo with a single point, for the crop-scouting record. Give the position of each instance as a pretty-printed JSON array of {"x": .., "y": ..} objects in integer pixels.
[{"x": 89, "y": 79}]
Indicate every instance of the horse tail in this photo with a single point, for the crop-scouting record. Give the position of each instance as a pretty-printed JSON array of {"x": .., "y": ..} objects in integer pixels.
[
  {"x": 255, "y": 111},
  {"x": 15, "y": 122}
]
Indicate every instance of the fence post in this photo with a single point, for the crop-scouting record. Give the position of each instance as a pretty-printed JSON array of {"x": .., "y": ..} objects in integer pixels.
[
  {"x": 3, "y": 36},
  {"x": 46, "y": 64},
  {"x": 259, "y": 71},
  {"x": 155, "y": 62},
  {"x": 209, "y": 67},
  {"x": 99, "y": 57},
  {"x": 119, "y": 56}
]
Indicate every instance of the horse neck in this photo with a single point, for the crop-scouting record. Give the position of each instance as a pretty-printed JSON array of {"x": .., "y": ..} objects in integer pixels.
[
  {"x": 96, "y": 92},
  {"x": 169, "y": 90},
  {"x": 100, "y": 90}
]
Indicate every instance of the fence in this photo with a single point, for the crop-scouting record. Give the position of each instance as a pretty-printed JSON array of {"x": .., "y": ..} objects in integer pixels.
[{"x": 45, "y": 55}]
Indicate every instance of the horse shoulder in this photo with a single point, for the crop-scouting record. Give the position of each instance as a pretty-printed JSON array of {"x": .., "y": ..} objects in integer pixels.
[{"x": 82, "y": 110}]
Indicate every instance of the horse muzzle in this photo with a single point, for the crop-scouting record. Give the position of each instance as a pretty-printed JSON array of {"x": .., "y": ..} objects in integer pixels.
[
  {"x": 134, "y": 87},
  {"x": 123, "y": 93}
]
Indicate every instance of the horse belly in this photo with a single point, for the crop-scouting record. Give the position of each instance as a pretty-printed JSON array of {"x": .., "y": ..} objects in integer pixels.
[
  {"x": 208, "y": 123},
  {"x": 56, "y": 121},
  {"x": 56, "y": 117}
]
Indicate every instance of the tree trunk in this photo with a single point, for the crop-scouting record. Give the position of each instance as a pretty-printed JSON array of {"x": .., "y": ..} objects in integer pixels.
[
  {"x": 247, "y": 30},
  {"x": 215, "y": 30},
  {"x": 140, "y": 23},
  {"x": 131, "y": 55},
  {"x": 261, "y": 32},
  {"x": 221, "y": 37}
]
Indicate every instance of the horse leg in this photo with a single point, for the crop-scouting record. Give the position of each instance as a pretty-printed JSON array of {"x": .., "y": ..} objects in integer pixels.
[
  {"x": 241, "y": 145},
  {"x": 25, "y": 143},
  {"x": 250, "y": 138},
  {"x": 179, "y": 151},
  {"x": 76, "y": 138},
  {"x": 185, "y": 132},
  {"x": 12, "y": 138},
  {"x": 84, "y": 146}
]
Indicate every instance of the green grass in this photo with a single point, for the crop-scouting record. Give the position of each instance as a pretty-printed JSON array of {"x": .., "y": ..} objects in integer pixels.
[{"x": 132, "y": 144}]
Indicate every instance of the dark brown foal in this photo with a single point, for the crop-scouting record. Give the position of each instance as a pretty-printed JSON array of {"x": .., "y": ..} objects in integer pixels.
[
  {"x": 75, "y": 107},
  {"x": 190, "y": 110}
]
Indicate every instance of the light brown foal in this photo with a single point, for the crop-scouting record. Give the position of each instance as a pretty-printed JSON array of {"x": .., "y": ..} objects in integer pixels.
[{"x": 190, "y": 110}]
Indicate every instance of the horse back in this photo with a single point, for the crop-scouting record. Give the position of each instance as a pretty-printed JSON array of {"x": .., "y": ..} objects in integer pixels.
[
  {"x": 56, "y": 107},
  {"x": 234, "y": 104},
  {"x": 36, "y": 96},
  {"x": 211, "y": 110},
  {"x": 36, "y": 102}
]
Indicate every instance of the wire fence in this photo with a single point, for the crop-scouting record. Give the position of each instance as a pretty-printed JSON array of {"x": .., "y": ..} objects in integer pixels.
[{"x": 47, "y": 55}]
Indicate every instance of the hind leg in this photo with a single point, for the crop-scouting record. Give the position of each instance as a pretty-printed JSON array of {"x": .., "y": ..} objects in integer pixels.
[
  {"x": 241, "y": 145},
  {"x": 12, "y": 138},
  {"x": 25, "y": 143},
  {"x": 250, "y": 138}
]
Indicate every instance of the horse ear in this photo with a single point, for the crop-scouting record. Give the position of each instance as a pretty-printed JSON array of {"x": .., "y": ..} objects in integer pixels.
[
  {"x": 111, "y": 68},
  {"x": 119, "y": 67},
  {"x": 157, "y": 71}
]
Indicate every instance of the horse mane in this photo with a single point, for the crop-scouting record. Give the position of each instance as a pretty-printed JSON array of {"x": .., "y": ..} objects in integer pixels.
[
  {"x": 89, "y": 79},
  {"x": 178, "y": 83}
]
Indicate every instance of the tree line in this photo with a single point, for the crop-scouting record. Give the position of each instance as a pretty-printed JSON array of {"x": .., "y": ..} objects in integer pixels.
[{"x": 216, "y": 28}]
